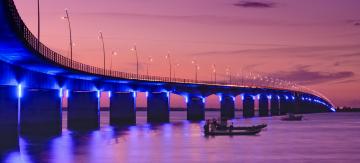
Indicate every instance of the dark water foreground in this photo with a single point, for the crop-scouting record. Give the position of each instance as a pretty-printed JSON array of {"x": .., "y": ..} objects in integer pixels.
[{"x": 325, "y": 137}]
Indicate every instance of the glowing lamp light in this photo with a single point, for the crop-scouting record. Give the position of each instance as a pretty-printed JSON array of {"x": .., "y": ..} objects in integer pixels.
[
  {"x": 269, "y": 97},
  {"x": 98, "y": 94},
  {"x": 186, "y": 99},
  {"x": 109, "y": 94},
  {"x": 278, "y": 97},
  {"x": 61, "y": 92},
  {"x": 134, "y": 94},
  {"x": 203, "y": 99},
  {"x": 220, "y": 98},
  {"x": 242, "y": 97},
  {"x": 233, "y": 98},
  {"x": 293, "y": 98},
  {"x": 286, "y": 97},
  {"x": 147, "y": 94},
  {"x": 67, "y": 93},
  {"x": 253, "y": 97},
  {"x": 19, "y": 91}
]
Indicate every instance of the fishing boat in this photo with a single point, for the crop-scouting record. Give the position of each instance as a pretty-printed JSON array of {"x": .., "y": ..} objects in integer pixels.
[
  {"x": 292, "y": 117},
  {"x": 254, "y": 127},
  {"x": 231, "y": 133}
]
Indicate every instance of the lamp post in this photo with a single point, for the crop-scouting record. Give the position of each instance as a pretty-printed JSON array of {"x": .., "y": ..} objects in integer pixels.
[
  {"x": 38, "y": 12},
  {"x": 196, "y": 69},
  {"x": 176, "y": 66},
  {"x": 214, "y": 72},
  {"x": 103, "y": 49},
  {"x": 67, "y": 17},
  {"x": 147, "y": 65},
  {"x": 114, "y": 53},
  {"x": 228, "y": 72},
  {"x": 169, "y": 59},
  {"x": 137, "y": 60}
]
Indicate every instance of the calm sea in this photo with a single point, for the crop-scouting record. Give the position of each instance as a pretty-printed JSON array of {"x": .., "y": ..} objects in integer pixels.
[{"x": 324, "y": 137}]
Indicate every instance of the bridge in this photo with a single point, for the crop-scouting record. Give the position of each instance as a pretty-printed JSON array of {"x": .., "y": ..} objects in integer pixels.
[{"x": 34, "y": 79}]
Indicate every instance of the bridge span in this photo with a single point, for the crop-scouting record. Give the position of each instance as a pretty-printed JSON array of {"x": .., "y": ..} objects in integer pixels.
[{"x": 34, "y": 79}]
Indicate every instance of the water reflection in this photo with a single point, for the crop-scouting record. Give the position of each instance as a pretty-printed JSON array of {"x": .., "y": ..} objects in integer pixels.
[{"x": 182, "y": 141}]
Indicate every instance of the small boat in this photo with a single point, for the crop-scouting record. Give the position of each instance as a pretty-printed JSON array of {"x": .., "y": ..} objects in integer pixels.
[
  {"x": 254, "y": 127},
  {"x": 292, "y": 118},
  {"x": 228, "y": 133}
]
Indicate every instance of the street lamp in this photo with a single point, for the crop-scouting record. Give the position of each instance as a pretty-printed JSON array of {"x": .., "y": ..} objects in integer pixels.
[
  {"x": 176, "y": 66},
  {"x": 114, "y": 53},
  {"x": 137, "y": 61},
  {"x": 147, "y": 65},
  {"x": 67, "y": 17},
  {"x": 197, "y": 67},
  {"x": 214, "y": 72},
  {"x": 169, "y": 59},
  {"x": 103, "y": 49},
  {"x": 228, "y": 72},
  {"x": 38, "y": 12}
]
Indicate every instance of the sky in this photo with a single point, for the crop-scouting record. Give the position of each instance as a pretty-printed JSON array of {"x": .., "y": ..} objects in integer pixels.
[{"x": 315, "y": 43}]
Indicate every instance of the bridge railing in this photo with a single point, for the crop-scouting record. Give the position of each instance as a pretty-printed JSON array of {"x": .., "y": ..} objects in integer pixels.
[{"x": 39, "y": 48}]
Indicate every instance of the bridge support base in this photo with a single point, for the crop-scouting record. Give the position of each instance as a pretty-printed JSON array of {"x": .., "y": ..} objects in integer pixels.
[
  {"x": 40, "y": 112},
  {"x": 122, "y": 108},
  {"x": 9, "y": 116},
  {"x": 275, "y": 106},
  {"x": 248, "y": 106},
  {"x": 284, "y": 106},
  {"x": 227, "y": 106},
  {"x": 195, "y": 108},
  {"x": 158, "y": 110},
  {"x": 263, "y": 106},
  {"x": 83, "y": 110}
]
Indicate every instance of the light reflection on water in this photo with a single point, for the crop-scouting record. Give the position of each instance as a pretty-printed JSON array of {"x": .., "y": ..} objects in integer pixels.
[{"x": 325, "y": 137}]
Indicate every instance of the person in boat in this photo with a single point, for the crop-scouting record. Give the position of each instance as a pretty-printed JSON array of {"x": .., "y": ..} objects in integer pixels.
[
  {"x": 231, "y": 128},
  {"x": 206, "y": 126}
]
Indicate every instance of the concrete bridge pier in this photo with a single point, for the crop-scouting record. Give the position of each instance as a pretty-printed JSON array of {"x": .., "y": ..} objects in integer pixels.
[
  {"x": 122, "y": 108},
  {"x": 195, "y": 108},
  {"x": 263, "y": 105},
  {"x": 158, "y": 108},
  {"x": 284, "y": 105},
  {"x": 227, "y": 106},
  {"x": 83, "y": 110},
  {"x": 248, "y": 106},
  {"x": 40, "y": 112},
  {"x": 9, "y": 116},
  {"x": 275, "y": 105}
]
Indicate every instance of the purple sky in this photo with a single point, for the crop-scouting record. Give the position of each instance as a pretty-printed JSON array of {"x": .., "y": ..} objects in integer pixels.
[{"x": 312, "y": 42}]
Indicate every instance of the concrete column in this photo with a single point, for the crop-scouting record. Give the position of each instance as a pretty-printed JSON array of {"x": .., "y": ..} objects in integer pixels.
[
  {"x": 284, "y": 108},
  {"x": 122, "y": 108},
  {"x": 158, "y": 109},
  {"x": 275, "y": 106},
  {"x": 248, "y": 106},
  {"x": 227, "y": 106},
  {"x": 195, "y": 108},
  {"x": 83, "y": 110},
  {"x": 9, "y": 116},
  {"x": 263, "y": 105},
  {"x": 40, "y": 112}
]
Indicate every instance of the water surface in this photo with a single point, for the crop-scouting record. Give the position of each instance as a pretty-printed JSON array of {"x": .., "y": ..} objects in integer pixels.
[{"x": 324, "y": 137}]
